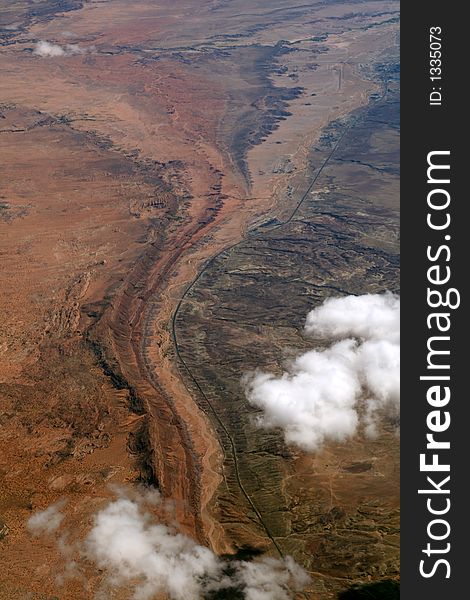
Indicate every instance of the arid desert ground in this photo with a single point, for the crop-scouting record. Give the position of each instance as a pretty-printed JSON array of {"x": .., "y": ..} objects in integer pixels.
[{"x": 180, "y": 183}]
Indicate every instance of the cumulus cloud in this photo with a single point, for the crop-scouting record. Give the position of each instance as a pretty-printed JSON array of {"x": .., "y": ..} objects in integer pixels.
[
  {"x": 47, "y": 521},
  {"x": 325, "y": 394},
  {"x": 371, "y": 316},
  {"x": 149, "y": 557},
  {"x": 270, "y": 578},
  {"x": 49, "y": 50},
  {"x": 129, "y": 545}
]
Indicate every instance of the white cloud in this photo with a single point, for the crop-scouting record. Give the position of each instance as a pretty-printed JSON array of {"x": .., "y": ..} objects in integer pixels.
[
  {"x": 319, "y": 397},
  {"x": 270, "y": 578},
  {"x": 48, "y": 520},
  {"x": 137, "y": 552},
  {"x": 371, "y": 316},
  {"x": 49, "y": 50},
  {"x": 315, "y": 400},
  {"x": 129, "y": 545}
]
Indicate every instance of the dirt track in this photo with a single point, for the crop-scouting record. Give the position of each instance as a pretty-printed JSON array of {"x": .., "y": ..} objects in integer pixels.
[{"x": 157, "y": 190}]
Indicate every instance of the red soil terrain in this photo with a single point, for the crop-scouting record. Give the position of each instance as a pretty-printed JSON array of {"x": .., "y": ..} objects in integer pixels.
[{"x": 129, "y": 160}]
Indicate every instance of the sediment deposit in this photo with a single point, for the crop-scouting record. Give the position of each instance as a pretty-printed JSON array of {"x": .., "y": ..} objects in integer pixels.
[{"x": 181, "y": 182}]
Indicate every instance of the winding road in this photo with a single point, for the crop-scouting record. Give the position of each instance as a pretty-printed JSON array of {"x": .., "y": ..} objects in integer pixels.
[{"x": 251, "y": 233}]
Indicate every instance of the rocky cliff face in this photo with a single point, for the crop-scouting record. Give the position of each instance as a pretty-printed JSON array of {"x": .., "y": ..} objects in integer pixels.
[{"x": 181, "y": 183}]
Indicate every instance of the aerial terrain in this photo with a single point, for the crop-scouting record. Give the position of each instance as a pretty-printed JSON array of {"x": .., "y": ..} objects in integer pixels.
[{"x": 181, "y": 182}]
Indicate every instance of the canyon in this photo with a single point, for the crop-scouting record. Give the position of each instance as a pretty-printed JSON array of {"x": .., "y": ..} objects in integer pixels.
[{"x": 181, "y": 182}]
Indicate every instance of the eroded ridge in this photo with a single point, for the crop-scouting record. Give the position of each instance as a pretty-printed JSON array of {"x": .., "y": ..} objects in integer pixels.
[{"x": 142, "y": 149}]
